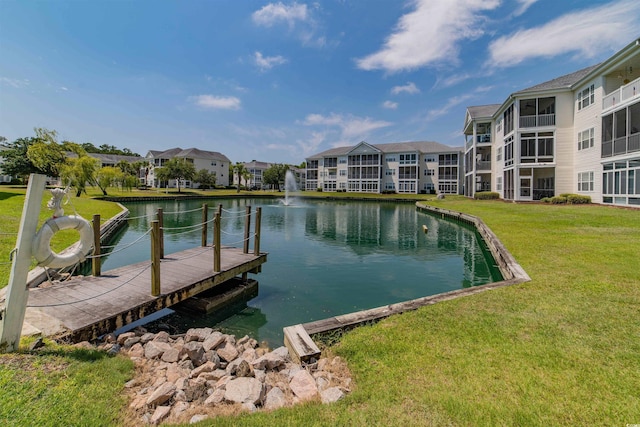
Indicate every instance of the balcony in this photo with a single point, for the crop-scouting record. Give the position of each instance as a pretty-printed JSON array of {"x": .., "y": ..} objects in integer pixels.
[
  {"x": 537, "y": 120},
  {"x": 622, "y": 94},
  {"x": 484, "y": 138},
  {"x": 621, "y": 145},
  {"x": 483, "y": 165}
]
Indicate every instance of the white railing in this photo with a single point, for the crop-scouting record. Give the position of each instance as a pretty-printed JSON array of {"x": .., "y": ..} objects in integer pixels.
[
  {"x": 622, "y": 94},
  {"x": 539, "y": 120}
]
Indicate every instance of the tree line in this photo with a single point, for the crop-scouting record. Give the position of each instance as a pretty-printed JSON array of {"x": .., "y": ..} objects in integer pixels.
[{"x": 43, "y": 154}]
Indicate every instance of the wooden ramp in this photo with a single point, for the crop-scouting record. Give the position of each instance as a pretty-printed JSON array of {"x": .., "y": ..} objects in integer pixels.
[{"x": 85, "y": 308}]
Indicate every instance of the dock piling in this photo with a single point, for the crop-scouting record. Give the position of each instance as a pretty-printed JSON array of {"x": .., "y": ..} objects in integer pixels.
[
  {"x": 205, "y": 215},
  {"x": 155, "y": 257},
  {"x": 95, "y": 261},
  {"x": 247, "y": 226},
  {"x": 160, "y": 216},
  {"x": 216, "y": 242}
]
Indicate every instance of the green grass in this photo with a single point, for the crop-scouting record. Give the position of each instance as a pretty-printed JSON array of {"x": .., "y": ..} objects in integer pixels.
[
  {"x": 563, "y": 349},
  {"x": 62, "y": 386}
]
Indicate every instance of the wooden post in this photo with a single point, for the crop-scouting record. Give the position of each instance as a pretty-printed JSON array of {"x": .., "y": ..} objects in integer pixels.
[
  {"x": 205, "y": 216},
  {"x": 247, "y": 226},
  {"x": 155, "y": 258},
  {"x": 12, "y": 318},
  {"x": 216, "y": 243},
  {"x": 256, "y": 243},
  {"x": 95, "y": 261},
  {"x": 161, "y": 231}
]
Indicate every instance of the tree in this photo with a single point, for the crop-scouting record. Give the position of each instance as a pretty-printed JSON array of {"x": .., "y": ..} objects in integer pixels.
[
  {"x": 16, "y": 163},
  {"x": 79, "y": 172},
  {"x": 108, "y": 176},
  {"x": 178, "y": 169},
  {"x": 275, "y": 175},
  {"x": 239, "y": 170},
  {"x": 205, "y": 178}
]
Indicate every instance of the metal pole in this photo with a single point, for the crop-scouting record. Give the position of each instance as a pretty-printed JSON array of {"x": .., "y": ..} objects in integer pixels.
[
  {"x": 161, "y": 234},
  {"x": 247, "y": 226},
  {"x": 216, "y": 243},
  {"x": 95, "y": 261},
  {"x": 205, "y": 215},
  {"x": 155, "y": 258},
  {"x": 12, "y": 318}
]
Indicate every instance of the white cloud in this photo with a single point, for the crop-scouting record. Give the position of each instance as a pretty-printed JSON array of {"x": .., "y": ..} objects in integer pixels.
[
  {"x": 523, "y": 6},
  {"x": 350, "y": 126},
  {"x": 429, "y": 35},
  {"x": 409, "y": 88},
  {"x": 268, "y": 62},
  {"x": 310, "y": 145},
  {"x": 63, "y": 88},
  {"x": 390, "y": 105},
  {"x": 216, "y": 102},
  {"x": 452, "y": 80},
  {"x": 588, "y": 32},
  {"x": 14, "y": 82},
  {"x": 298, "y": 17},
  {"x": 274, "y": 13}
]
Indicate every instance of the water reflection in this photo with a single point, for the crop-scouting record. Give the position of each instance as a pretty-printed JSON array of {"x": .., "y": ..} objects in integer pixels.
[{"x": 328, "y": 258}]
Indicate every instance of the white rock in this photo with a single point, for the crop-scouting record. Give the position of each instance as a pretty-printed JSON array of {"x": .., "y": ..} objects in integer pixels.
[
  {"x": 244, "y": 390},
  {"x": 213, "y": 340},
  {"x": 227, "y": 352},
  {"x": 197, "y": 334},
  {"x": 162, "y": 394},
  {"x": 303, "y": 385},
  {"x": 160, "y": 414},
  {"x": 197, "y": 418},
  {"x": 275, "y": 399},
  {"x": 332, "y": 394},
  {"x": 216, "y": 397}
]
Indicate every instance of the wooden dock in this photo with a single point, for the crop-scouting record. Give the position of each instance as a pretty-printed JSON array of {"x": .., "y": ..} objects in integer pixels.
[{"x": 83, "y": 308}]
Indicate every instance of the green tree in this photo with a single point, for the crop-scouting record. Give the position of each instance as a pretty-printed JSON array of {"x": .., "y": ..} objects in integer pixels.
[
  {"x": 205, "y": 178},
  {"x": 108, "y": 176},
  {"x": 275, "y": 175},
  {"x": 239, "y": 169},
  {"x": 16, "y": 163},
  {"x": 78, "y": 172},
  {"x": 178, "y": 169}
]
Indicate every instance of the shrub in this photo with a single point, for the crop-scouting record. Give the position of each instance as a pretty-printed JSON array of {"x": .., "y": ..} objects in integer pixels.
[
  {"x": 486, "y": 195},
  {"x": 558, "y": 200},
  {"x": 577, "y": 199},
  {"x": 319, "y": 189},
  {"x": 546, "y": 200}
]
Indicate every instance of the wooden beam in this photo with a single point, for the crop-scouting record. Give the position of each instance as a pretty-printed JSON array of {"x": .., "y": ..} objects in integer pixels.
[{"x": 301, "y": 346}]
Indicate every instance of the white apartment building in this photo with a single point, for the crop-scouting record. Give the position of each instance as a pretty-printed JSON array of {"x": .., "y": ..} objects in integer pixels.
[
  {"x": 256, "y": 171},
  {"x": 403, "y": 167},
  {"x": 201, "y": 159},
  {"x": 578, "y": 133}
]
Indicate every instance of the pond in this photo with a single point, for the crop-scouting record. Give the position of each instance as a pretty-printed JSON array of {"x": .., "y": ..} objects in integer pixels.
[{"x": 325, "y": 258}]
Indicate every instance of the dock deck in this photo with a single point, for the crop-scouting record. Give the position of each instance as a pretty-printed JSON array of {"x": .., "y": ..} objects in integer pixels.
[{"x": 83, "y": 308}]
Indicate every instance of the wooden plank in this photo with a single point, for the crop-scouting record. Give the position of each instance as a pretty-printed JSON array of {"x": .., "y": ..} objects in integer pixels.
[{"x": 301, "y": 346}]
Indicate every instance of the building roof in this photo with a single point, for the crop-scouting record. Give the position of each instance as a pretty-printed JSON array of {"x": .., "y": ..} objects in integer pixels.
[
  {"x": 394, "y": 147},
  {"x": 189, "y": 152},
  {"x": 254, "y": 164},
  {"x": 480, "y": 111},
  {"x": 562, "y": 82}
]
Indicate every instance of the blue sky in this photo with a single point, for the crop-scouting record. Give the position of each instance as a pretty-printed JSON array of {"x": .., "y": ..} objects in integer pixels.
[{"x": 280, "y": 81}]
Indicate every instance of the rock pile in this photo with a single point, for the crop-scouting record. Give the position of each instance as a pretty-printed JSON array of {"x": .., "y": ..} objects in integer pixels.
[{"x": 203, "y": 373}]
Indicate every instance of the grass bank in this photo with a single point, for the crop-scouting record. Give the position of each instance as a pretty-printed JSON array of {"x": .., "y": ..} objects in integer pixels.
[{"x": 563, "y": 349}]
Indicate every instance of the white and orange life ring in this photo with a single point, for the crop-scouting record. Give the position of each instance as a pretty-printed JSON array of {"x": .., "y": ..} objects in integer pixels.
[{"x": 41, "y": 246}]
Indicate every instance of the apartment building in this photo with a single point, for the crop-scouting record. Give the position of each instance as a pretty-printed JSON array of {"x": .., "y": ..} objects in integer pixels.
[
  {"x": 403, "y": 167},
  {"x": 212, "y": 161},
  {"x": 578, "y": 133}
]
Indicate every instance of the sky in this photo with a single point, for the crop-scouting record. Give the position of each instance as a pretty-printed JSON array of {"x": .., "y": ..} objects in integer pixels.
[{"x": 281, "y": 81}]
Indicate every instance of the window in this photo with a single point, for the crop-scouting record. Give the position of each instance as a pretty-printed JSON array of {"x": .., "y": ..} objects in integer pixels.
[
  {"x": 499, "y": 154},
  {"x": 389, "y": 172},
  {"x": 408, "y": 159},
  {"x": 508, "y": 120},
  {"x": 429, "y": 159},
  {"x": 499, "y": 183},
  {"x": 429, "y": 172},
  {"x": 508, "y": 151},
  {"x": 586, "y": 97},
  {"x": 391, "y": 158},
  {"x": 343, "y": 172},
  {"x": 585, "y": 139},
  {"x": 585, "y": 181}
]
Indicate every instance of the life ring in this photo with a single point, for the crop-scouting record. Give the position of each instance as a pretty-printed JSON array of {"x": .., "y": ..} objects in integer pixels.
[{"x": 41, "y": 248}]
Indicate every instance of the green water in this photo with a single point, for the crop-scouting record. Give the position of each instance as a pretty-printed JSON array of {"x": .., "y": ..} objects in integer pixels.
[{"x": 325, "y": 258}]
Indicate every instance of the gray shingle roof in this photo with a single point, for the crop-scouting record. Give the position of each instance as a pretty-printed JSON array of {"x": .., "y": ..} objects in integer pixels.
[
  {"x": 562, "y": 82},
  {"x": 395, "y": 147},
  {"x": 189, "y": 152},
  {"x": 483, "y": 110}
]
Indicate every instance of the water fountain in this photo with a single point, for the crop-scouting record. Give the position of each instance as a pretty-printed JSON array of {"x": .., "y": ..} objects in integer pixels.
[{"x": 289, "y": 186}]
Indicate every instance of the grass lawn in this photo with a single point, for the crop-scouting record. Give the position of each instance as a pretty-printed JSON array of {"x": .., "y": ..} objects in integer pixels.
[{"x": 563, "y": 349}]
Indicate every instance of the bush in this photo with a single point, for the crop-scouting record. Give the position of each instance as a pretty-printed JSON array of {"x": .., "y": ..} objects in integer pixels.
[
  {"x": 486, "y": 195},
  {"x": 319, "y": 189},
  {"x": 577, "y": 199},
  {"x": 558, "y": 200},
  {"x": 546, "y": 200}
]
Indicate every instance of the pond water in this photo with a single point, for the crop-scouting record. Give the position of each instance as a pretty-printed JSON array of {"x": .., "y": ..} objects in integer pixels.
[{"x": 325, "y": 258}]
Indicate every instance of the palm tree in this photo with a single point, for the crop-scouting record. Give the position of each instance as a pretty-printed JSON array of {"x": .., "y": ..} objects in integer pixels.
[{"x": 240, "y": 171}]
